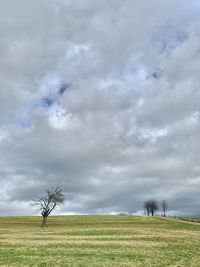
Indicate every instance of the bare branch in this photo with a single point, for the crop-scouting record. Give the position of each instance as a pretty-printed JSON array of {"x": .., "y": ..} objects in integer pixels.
[{"x": 47, "y": 203}]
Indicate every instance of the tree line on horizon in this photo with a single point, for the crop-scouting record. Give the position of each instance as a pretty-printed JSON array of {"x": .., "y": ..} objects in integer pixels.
[{"x": 151, "y": 206}]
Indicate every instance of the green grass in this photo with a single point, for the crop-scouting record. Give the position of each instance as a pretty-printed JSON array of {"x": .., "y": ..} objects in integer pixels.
[
  {"x": 98, "y": 241},
  {"x": 189, "y": 219}
]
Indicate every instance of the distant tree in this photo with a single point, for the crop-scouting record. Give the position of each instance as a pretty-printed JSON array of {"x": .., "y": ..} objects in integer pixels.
[
  {"x": 151, "y": 206},
  {"x": 146, "y": 207},
  {"x": 164, "y": 207},
  {"x": 48, "y": 202}
]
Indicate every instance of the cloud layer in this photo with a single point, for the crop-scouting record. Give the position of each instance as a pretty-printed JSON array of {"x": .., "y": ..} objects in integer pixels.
[{"x": 101, "y": 98}]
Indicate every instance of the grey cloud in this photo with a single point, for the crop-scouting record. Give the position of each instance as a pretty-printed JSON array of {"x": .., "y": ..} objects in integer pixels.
[{"x": 125, "y": 130}]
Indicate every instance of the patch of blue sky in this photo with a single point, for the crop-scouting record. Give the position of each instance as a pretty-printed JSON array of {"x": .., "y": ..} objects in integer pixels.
[
  {"x": 63, "y": 89},
  {"x": 156, "y": 75},
  {"x": 47, "y": 101}
]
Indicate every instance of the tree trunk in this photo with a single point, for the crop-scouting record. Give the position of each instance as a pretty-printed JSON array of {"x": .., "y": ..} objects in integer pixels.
[
  {"x": 152, "y": 213},
  {"x": 44, "y": 221}
]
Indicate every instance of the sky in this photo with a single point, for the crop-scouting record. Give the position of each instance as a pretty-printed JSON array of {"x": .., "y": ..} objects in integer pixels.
[{"x": 102, "y": 99}]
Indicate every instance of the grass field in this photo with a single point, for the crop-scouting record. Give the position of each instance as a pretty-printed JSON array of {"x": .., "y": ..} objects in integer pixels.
[
  {"x": 98, "y": 241},
  {"x": 187, "y": 219}
]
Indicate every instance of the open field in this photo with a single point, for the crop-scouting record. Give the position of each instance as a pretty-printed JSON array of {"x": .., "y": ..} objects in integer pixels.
[{"x": 98, "y": 241}]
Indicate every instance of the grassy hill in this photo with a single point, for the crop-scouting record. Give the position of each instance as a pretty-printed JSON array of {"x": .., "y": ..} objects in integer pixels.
[{"x": 98, "y": 241}]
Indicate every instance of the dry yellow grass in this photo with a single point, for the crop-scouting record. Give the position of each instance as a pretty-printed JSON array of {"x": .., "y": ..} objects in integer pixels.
[{"x": 98, "y": 241}]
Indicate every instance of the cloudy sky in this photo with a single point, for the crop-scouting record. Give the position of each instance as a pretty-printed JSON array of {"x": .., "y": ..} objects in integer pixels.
[{"x": 101, "y": 98}]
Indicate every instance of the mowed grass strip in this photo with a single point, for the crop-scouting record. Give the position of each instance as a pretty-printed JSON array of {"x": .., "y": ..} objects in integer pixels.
[{"x": 98, "y": 241}]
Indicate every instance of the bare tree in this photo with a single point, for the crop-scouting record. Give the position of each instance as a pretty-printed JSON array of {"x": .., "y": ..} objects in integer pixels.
[
  {"x": 151, "y": 206},
  {"x": 164, "y": 207},
  {"x": 146, "y": 207},
  {"x": 47, "y": 203}
]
